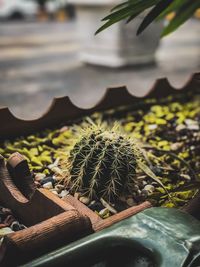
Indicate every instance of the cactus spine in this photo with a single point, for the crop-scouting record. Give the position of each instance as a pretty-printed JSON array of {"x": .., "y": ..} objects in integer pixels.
[{"x": 102, "y": 163}]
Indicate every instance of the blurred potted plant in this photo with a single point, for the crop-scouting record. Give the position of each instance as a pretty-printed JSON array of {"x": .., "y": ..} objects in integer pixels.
[
  {"x": 51, "y": 9},
  {"x": 42, "y": 9},
  {"x": 114, "y": 47}
]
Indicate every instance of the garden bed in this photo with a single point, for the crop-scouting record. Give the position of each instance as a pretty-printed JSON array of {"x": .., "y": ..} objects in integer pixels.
[
  {"x": 168, "y": 130},
  {"x": 165, "y": 125}
]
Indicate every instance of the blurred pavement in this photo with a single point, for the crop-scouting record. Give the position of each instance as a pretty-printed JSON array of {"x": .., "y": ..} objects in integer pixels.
[{"x": 39, "y": 61}]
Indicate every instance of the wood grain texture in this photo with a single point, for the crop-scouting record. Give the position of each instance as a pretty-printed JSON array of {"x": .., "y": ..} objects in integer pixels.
[
  {"x": 82, "y": 209},
  {"x": 120, "y": 216},
  {"x": 19, "y": 171},
  {"x": 42, "y": 204},
  {"x": 22, "y": 246}
]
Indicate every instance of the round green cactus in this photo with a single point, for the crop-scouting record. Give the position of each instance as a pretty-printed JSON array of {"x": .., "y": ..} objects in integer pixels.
[{"x": 103, "y": 163}]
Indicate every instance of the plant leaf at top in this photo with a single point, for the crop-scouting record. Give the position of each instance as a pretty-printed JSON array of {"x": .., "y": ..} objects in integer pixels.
[
  {"x": 153, "y": 14},
  {"x": 174, "y": 7},
  {"x": 135, "y": 7},
  {"x": 183, "y": 14},
  {"x": 183, "y": 10}
]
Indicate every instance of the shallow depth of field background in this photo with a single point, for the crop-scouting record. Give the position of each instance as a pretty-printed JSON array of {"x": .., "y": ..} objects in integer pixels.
[{"x": 39, "y": 61}]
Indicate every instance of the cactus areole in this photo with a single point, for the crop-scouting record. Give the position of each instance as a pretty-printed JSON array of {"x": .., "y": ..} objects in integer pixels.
[{"x": 103, "y": 163}]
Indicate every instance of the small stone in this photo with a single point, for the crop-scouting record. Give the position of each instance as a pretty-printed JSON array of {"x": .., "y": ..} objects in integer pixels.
[
  {"x": 192, "y": 148},
  {"x": 47, "y": 180},
  {"x": 149, "y": 188},
  {"x": 48, "y": 185},
  {"x": 37, "y": 184},
  {"x": 54, "y": 164},
  {"x": 77, "y": 195},
  {"x": 15, "y": 226},
  {"x": 176, "y": 146},
  {"x": 186, "y": 177},
  {"x": 144, "y": 183},
  {"x": 104, "y": 213},
  {"x": 131, "y": 202},
  {"x": 59, "y": 188},
  {"x": 64, "y": 193},
  {"x": 84, "y": 200},
  {"x": 64, "y": 129},
  {"x": 39, "y": 176},
  {"x": 139, "y": 192},
  {"x": 152, "y": 126},
  {"x": 193, "y": 127},
  {"x": 180, "y": 127},
  {"x": 191, "y": 122},
  {"x": 108, "y": 206},
  {"x": 5, "y": 231}
]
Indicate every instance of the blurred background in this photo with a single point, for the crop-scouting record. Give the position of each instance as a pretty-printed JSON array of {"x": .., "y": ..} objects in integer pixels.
[{"x": 48, "y": 49}]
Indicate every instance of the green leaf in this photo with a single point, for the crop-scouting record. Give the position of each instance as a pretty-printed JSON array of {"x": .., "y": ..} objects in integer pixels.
[
  {"x": 130, "y": 9},
  {"x": 183, "y": 14},
  {"x": 172, "y": 8},
  {"x": 111, "y": 22},
  {"x": 136, "y": 7},
  {"x": 153, "y": 14},
  {"x": 132, "y": 17},
  {"x": 122, "y": 5}
]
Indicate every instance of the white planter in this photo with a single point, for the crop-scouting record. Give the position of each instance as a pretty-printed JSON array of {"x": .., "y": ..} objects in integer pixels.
[{"x": 118, "y": 45}]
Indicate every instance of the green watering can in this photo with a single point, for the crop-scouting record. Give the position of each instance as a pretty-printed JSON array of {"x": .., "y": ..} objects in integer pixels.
[{"x": 156, "y": 237}]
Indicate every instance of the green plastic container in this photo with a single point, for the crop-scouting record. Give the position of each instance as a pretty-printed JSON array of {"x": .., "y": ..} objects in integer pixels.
[{"x": 155, "y": 237}]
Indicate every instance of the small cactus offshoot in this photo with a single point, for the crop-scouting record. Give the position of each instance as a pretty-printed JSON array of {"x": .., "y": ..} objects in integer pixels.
[{"x": 103, "y": 163}]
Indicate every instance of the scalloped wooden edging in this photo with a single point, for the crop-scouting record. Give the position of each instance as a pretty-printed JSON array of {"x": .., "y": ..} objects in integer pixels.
[{"x": 63, "y": 110}]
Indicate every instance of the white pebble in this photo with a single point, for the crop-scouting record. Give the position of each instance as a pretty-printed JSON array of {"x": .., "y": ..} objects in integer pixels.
[
  {"x": 84, "y": 200},
  {"x": 59, "y": 188},
  {"x": 5, "y": 231},
  {"x": 39, "y": 176},
  {"x": 103, "y": 212},
  {"x": 190, "y": 122},
  {"x": 186, "y": 177},
  {"x": 149, "y": 188},
  {"x": 64, "y": 129},
  {"x": 108, "y": 206},
  {"x": 152, "y": 126},
  {"x": 194, "y": 127},
  {"x": 180, "y": 127},
  {"x": 54, "y": 164},
  {"x": 48, "y": 185},
  {"x": 64, "y": 193},
  {"x": 176, "y": 146}
]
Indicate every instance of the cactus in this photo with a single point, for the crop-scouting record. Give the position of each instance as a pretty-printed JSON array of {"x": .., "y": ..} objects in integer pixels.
[{"x": 103, "y": 163}]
